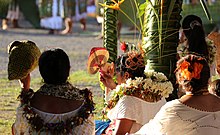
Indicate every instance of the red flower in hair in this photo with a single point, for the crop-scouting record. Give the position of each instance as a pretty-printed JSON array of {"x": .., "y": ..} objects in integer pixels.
[{"x": 123, "y": 46}]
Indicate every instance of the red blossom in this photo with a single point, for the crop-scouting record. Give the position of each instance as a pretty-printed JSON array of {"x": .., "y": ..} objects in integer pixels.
[{"x": 123, "y": 46}]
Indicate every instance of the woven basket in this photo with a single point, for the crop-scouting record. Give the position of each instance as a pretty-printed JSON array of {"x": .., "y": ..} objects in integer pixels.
[{"x": 23, "y": 58}]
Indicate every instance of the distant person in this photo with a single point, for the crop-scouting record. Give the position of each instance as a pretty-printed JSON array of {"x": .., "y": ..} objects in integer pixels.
[
  {"x": 3, "y": 14},
  {"x": 10, "y": 13},
  {"x": 51, "y": 15},
  {"x": 74, "y": 10},
  {"x": 57, "y": 107}
]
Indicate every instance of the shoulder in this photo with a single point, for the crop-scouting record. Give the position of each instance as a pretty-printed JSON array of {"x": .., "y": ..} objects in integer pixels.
[
  {"x": 52, "y": 104},
  {"x": 172, "y": 105}
]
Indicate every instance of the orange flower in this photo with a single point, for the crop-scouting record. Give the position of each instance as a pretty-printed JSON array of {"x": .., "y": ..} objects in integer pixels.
[
  {"x": 197, "y": 68},
  {"x": 114, "y": 6},
  {"x": 184, "y": 70},
  {"x": 186, "y": 74}
]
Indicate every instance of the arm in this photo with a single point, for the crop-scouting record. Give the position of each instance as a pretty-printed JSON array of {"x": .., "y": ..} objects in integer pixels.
[
  {"x": 123, "y": 126},
  {"x": 25, "y": 83},
  {"x": 107, "y": 80}
]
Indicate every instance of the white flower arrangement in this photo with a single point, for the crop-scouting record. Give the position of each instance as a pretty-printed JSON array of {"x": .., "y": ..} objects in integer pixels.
[{"x": 153, "y": 86}]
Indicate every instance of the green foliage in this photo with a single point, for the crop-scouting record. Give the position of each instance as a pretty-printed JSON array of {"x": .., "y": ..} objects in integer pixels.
[
  {"x": 82, "y": 77},
  {"x": 110, "y": 35}
]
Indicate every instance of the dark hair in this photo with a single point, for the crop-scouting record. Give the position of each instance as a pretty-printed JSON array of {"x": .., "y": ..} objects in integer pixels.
[
  {"x": 195, "y": 34},
  {"x": 134, "y": 64},
  {"x": 215, "y": 86},
  {"x": 204, "y": 75},
  {"x": 54, "y": 66}
]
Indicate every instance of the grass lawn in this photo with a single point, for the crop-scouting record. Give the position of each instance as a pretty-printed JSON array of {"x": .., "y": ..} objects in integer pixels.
[{"x": 10, "y": 91}]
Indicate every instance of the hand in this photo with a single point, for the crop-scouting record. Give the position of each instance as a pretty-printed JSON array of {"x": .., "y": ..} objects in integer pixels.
[
  {"x": 25, "y": 82},
  {"x": 108, "y": 68},
  {"x": 107, "y": 80}
]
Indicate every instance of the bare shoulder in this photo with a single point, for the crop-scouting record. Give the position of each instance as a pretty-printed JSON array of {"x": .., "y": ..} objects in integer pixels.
[{"x": 51, "y": 104}]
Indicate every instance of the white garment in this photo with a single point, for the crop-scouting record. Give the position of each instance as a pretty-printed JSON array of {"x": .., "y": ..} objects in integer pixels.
[
  {"x": 136, "y": 109},
  {"x": 55, "y": 21},
  {"x": 22, "y": 126},
  {"x": 177, "y": 118},
  {"x": 78, "y": 16},
  {"x": 13, "y": 14}
]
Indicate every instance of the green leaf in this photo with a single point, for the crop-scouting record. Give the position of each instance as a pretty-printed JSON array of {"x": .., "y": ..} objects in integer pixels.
[
  {"x": 206, "y": 10},
  {"x": 170, "y": 10},
  {"x": 142, "y": 8}
]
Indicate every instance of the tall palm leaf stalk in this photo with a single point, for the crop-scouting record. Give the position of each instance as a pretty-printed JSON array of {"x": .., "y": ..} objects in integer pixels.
[
  {"x": 110, "y": 37},
  {"x": 110, "y": 31},
  {"x": 161, "y": 36}
]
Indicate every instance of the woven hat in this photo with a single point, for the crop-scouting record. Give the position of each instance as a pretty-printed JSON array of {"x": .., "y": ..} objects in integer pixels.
[{"x": 23, "y": 58}]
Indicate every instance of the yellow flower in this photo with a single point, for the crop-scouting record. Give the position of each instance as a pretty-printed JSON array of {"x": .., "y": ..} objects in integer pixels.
[{"x": 114, "y": 6}]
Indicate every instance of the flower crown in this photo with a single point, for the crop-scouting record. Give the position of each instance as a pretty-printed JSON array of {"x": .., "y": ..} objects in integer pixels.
[{"x": 135, "y": 57}]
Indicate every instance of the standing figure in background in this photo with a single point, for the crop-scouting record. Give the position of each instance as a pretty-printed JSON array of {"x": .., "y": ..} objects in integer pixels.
[
  {"x": 99, "y": 17},
  {"x": 51, "y": 15},
  {"x": 3, "y": 13},
  {"x": 74, "y": 10},
  {"x": 13, "y": 13},
  {"x": 9, "y": 12}
]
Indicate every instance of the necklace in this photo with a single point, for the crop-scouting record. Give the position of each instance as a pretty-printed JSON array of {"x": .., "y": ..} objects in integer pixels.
[
  {"x": 66, "y": 91},
  {"x": 198, "y": 93}
]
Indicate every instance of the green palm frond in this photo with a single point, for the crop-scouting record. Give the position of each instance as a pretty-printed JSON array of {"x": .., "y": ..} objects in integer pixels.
[
  {"x": 110, "y": 36},
  {"x": 205, "y": 9}
]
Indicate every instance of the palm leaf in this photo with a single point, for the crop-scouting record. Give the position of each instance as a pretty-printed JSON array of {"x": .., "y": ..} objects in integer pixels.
[
  {"x": 110, "y": 31},
  {"x": 171, "y": 6},
  {"x": 206, "y": 10}
]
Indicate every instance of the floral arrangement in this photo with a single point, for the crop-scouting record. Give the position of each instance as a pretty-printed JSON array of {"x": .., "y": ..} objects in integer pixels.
[
  {"x": 64, "y": 127},
  {"x": 151, "y": 89},
  {"x": 182, "y": 50}
]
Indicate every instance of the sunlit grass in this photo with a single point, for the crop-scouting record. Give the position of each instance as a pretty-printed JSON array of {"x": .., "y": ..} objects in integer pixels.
[{"x": 82, "y": 77}]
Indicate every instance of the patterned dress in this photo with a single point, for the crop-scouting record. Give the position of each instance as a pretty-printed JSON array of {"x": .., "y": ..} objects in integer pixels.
[
  {"x": 51, "y": 12},
  {"x": 75, "y": 9}
]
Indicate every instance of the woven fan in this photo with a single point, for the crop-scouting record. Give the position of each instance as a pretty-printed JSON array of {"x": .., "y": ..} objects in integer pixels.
[
  {"x": 23, "y": 58},
  {"x": 98, "y": 58}
]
